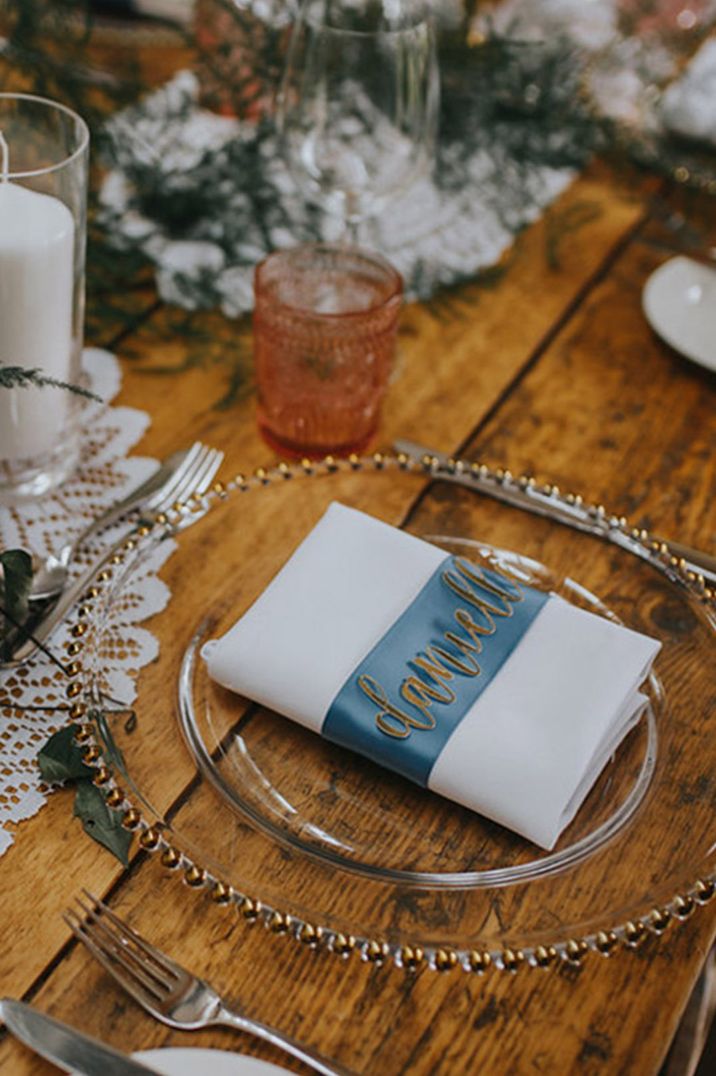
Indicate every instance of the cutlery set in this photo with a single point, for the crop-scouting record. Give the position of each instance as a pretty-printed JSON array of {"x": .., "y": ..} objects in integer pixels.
[
  {"x": 164, "y": 989},
  {"x": 187, "y": 472}
]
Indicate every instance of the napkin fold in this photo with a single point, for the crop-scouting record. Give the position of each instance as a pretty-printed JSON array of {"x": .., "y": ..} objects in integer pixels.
[{"x": 525, "y": 753}]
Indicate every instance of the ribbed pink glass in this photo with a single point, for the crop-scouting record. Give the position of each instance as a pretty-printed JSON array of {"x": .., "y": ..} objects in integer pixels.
[{"x": 325, "y": 322}]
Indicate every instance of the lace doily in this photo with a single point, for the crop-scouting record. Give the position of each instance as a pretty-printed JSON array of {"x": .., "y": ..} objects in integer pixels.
[
  {"x": 105, "y": 474},
  {"x": 432, "y": 236}
]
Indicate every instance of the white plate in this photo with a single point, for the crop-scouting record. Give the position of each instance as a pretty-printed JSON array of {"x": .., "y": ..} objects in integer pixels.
[
  {"x": 679, "y": 301},
  {"x": 189, "y": 1061}
]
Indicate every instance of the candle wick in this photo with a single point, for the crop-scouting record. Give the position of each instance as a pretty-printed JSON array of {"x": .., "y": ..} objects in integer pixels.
[{"x": 4, "y": 159}]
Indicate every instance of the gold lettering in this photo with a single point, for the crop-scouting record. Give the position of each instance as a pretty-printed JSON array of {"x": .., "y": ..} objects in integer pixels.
[
  {"x": 476, "y": 574},
  {"x": 390, "y": 719},
  {"x": 467, "y": 668},
  {"x": 474, "y": 630},
  {"x": 418, "y": 694}
]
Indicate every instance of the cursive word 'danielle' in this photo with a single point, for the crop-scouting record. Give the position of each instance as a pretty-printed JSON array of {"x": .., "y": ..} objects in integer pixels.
[{"x": 490, "y": 596}]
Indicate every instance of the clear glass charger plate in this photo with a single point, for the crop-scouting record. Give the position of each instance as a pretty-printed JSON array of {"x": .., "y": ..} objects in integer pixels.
[{"x": 319, "y": 843}]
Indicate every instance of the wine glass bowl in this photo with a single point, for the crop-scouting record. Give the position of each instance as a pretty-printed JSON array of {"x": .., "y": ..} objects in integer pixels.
[{"x": 358, "y": 106}]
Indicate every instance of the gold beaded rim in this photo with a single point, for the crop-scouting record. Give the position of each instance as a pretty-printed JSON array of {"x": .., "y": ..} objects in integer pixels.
[{"x": 153, "y": 839}]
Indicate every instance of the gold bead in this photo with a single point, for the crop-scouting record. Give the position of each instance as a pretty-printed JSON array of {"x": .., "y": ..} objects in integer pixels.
[
  {"x": 219, "y": 488},
  {"x": 161, "y": 518},
  {"x": 344, "y": 944},
  {"x": 83, "y": 733},
  {"x": 512, "y": 958},
  {"x": 378, "y": 460},
  {"x": 545, "y": 955},
  {"x": 705, "y": 891},
  {"x": 78, "y": 709},
  {"x": 104, "y": 575},
  {"x": 376, "y": 952},
  {"x": 278, "y": 923},
  {"x": 170, "y": 858},
  {"x": 284, "y": 469},
  {"x": 116, "y": 559},
  {"x": 605, "y": 941},
  {"x": 330, "y": 464},
  {"x": 144, "y": 530},
  {"x": 73, "y": 668},
  {"x": 83, "y": 612},
  {"x": 660, "y": 919},
  {"x": 93, "y": 592},
  {"x": 131, "y": 819},
  {"x": 221, "y": 894},
  {"x": 411, "y": 956},
  {"x": 102, "y": 776},
  {"x": 73, "y": 648},
  {"x": 115, "y": 798},
  {"x": 478, "y": 961},
  {"x": 309, "y": 934},
  {"x": 149, "y": 839},
  {"x": 634, "y": 932},
  {"x": 402, "y": 460},
  {"x": 445, "y": 959},
  {"x": 307, "y": 466},
  {"x": 249, "y": 909},
  {"x": 354, "y": 461},
  {"x": 260, "y": 473},
  {"x": 129, "y": 544},
  {"x": 683, "y": 907},
  {"x": 91, "y": 754},
  {"x": 194, "y": 876},
  {"x": 575, "y": 950},
  {"x": 73, "y": 690},
  {"x": 79, "y": 630}
]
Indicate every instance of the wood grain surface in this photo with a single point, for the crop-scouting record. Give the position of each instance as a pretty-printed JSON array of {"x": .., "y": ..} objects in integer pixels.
[{"x": 551, "y": 371}]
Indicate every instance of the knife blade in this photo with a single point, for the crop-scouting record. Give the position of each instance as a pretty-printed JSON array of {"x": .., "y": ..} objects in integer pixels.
[
  {"x": 63, "y": 1045},
  {"x": 534, "y": 501}
]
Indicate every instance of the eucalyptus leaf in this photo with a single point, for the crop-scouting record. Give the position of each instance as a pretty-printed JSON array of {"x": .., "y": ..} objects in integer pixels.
[
  {"x": 61, "y": 758},
  {"x": 100, "y": 822}
]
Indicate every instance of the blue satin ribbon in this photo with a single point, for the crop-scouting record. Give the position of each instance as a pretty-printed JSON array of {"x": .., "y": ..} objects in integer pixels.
[{"x": 351, "y": 719}]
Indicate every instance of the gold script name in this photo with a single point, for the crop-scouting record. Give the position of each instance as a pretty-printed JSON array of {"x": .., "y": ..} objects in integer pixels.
[{"x": 437, "y": 665}]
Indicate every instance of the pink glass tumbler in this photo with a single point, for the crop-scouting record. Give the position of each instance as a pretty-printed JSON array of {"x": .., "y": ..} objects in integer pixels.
[{"x": 325, "y": 321}]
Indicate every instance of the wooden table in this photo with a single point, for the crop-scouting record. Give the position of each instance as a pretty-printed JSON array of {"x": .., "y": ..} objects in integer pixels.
[{"x": 553, "y": 371}]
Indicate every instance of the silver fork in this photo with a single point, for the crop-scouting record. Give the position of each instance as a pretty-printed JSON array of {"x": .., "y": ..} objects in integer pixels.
[
  {"x": 153, "y": 495},
  {"x": 164, "y": 988},
  {"x": 196, "y": 479}
]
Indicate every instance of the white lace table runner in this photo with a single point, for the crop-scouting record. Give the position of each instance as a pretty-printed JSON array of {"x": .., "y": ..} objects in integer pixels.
[{"x": 105, "y": 474}]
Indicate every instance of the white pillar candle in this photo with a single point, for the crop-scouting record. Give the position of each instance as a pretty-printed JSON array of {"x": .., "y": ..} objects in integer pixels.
[{"x": 36, "y": 283}]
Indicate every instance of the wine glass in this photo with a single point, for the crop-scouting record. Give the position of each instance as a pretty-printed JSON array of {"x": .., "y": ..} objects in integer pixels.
[{"x": 358, "y": 106}]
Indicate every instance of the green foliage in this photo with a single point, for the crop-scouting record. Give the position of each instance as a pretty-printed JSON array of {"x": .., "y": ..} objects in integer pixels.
[
  {"x": 15, "y": 584},
  {"x": 18, "y": 377},
  {"x": 60, "y": 760},
  {"x": 100, "y": 822}
]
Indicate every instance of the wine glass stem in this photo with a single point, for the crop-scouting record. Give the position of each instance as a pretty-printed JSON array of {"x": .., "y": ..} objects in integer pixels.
[{"x": 351, "y": 234}]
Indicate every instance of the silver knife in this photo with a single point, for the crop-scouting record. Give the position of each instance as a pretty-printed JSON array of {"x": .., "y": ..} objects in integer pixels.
[
  {"x": 63, "y": 1045},
  {"x": 533, "y": 500}
]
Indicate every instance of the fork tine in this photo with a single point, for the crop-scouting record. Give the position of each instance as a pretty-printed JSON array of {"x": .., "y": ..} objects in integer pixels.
[
  {"x": 149, "y": 996},
  {"x": 211, "y": 466},
  {"x": 199, "y": 480},
  {"x": 120, "y": 949},
  {"x": 159, "y": 958},
  {"x": 172, "y": 492},
  {"x": 187, "y": 462}
]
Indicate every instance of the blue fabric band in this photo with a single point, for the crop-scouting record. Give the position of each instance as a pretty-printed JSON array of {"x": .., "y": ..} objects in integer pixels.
[{"x": 400, "y": 706}]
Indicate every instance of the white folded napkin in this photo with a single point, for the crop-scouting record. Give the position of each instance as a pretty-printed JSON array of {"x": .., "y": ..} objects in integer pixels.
[{"x": 527, "y": 750}]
